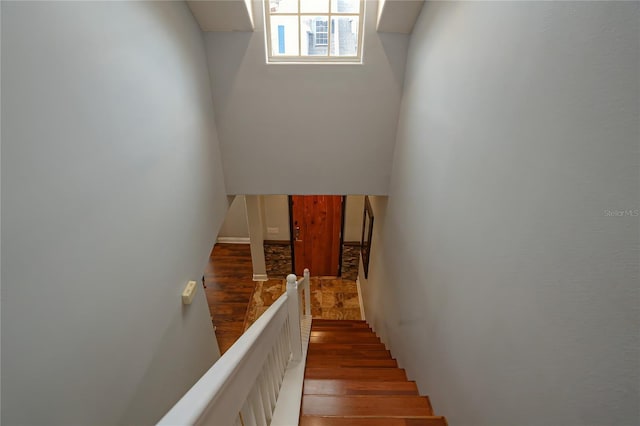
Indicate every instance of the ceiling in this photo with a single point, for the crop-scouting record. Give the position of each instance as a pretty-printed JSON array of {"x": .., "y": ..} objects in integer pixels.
[
  {"x": 223, "y": 15},
  {"x": 394, "y": 16}
]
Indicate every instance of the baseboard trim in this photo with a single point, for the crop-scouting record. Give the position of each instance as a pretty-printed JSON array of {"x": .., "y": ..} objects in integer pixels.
[
  {"x": 233, "y": 240},
  {"x": 360, "y": 299},
  {"x": 260, "y": 277}
]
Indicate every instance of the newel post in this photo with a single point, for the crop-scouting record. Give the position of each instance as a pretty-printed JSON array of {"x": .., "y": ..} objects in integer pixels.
[
  {"x": 307, "y": 293},
  {"x": 293, "y": 302}
]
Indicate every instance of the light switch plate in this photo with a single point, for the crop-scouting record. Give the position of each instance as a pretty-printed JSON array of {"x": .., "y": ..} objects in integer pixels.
[{"x": 189, "y": 292}]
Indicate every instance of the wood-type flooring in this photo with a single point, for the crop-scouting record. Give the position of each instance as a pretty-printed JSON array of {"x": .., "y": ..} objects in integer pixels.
[{"x": 229, "y": 287}]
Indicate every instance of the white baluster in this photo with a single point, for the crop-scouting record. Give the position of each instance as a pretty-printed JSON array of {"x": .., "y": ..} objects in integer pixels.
[
  {"x": 277, "y": 353},
  {"x": 300, "y": 299},
  {"x": 248, "y": 416},
  {"x": 287, "y": 341},
  {"x": 257, "y": 406},
  {"x": 276, "y": 368},
  {"x": 307, "y": 292},
  {"x": 294, "y": 317},
  {"x": 284, "y": 353},
  {"x": 284, "y": 343},
  {"x": 264, "y": 392},
  {"x": 271, "y": 373}
]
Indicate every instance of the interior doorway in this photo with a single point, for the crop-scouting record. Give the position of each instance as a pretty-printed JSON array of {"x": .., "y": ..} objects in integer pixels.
[{"x": 316, "y": 224}]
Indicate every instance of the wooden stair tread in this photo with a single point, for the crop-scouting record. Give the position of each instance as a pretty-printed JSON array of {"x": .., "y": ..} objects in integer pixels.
[
  {"x": 329, "y": 327},
  {"x": 351, "y": 379},
  {"x": 350, "y": 362},
  {"x": 348, "y": 333},
  {"x": 315, "y": 347},
  {"x": 372, "y": 421},
  {"x": 358, "y": 387},
  {"x": 366, "y": 406},
  {"x": 344, "y": 339},
  {"x": 355, "y": 353},
  {"x": 370, "y": 373},
  {"x": 336, "y": 324}
]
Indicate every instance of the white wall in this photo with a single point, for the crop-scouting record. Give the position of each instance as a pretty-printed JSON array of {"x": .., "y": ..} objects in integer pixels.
[
  {"x": 306, "y": 129},
  {"x": 276, "y": 216},
  {"x": 0, "y": 215},
  {"x": 235, "y": 222},
  {"x": 511, "y": 295},
  {"x": 112, "y": 194},
  {"x": 375, "y": 287},
  {"x": 353, "y": 218}
]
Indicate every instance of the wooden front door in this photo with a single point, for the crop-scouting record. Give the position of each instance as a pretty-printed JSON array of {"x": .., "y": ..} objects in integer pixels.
[{"x": 316, "y": 230}]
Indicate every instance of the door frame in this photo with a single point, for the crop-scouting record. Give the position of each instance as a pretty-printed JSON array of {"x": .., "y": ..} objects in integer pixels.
[{"x": 291, "y": 233}]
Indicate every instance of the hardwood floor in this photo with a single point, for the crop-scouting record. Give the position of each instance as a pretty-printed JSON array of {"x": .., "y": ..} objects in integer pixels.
[{"x": 229, "y": 281}]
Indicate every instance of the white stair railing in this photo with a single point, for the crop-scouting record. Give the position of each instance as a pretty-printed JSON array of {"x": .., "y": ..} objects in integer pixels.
[{"x": 243, "y": 386}]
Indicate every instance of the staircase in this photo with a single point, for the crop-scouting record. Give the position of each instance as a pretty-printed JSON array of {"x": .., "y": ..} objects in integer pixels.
[{"x": 351, "y": 379}]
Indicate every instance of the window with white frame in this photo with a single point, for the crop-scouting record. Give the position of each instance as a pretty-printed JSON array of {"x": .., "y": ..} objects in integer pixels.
[{"x": 314, "y": 30}]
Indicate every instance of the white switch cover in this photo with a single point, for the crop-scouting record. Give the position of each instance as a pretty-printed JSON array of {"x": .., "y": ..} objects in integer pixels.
[
  {"x": 189, "y": 292},
  {"x": 272, "y": 230}
]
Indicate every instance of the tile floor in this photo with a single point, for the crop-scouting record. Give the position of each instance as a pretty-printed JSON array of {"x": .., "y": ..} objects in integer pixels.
[{"x": 331, "y": 298}]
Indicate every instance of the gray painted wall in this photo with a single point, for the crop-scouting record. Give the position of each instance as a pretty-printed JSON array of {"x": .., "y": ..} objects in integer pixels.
[
  {"x": 112, "y": 195},
  {"x": 509, "y": 288},
  {"x": 235, "y": 221},
  {"x": 306, "y": 129},
  {"x": 353, "y": 218},
  {"x": 275, "y": 210}
]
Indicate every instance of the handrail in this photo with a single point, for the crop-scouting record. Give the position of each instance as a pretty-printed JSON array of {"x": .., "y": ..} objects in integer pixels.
[{"x": 246, "y": 380}]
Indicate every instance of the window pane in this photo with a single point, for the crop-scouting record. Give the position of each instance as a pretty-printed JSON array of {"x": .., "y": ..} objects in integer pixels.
[
  {"x": 344, "y": 35},
  {"x": 314, "y": 33},
  {"x": 314, "y": 6},
  {"x": 345, "y": 6},
  {"x": 283, "y": 6},
  {"x": 284, "y": 35}
]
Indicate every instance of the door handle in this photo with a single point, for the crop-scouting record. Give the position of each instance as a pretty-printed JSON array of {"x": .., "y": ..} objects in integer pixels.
[{"x": 296, "y": 234}]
